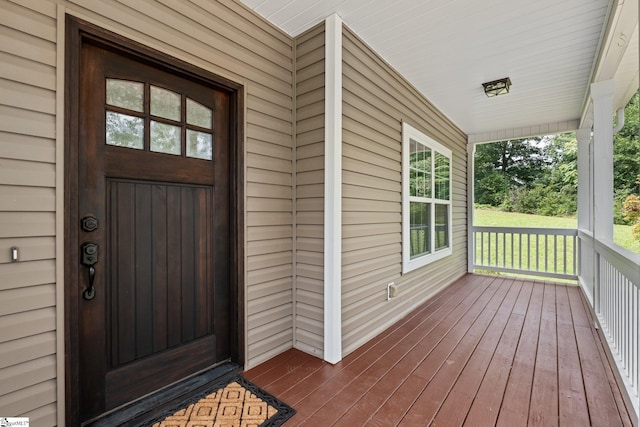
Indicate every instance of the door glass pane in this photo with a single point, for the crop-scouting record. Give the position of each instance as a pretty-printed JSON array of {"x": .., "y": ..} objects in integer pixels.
[
  {"x": 165, "y": 103},
  {"x": 199, "y": 145},
  {"x": 125, "y": 131},
  {"x": 198, "y": 114},
  {"x": 441, "y": 166},
  {"x": 442, "y": 226},
  {"x": 165, "y": 138},
  {"x": 420, "y": 218},
  {"x": 125, "y": 94}
]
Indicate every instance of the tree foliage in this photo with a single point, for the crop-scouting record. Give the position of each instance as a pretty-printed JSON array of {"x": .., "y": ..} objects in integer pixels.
[
  {"x": 626, "y": 151},
  {"x": 540, "y": 175},
  {"x": 631, "y": 209},
  {"x": 533, "y": 175},
  {"x": 506, "y": 165}
]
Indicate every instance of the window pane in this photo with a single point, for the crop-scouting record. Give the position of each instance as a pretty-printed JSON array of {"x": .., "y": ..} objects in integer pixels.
[
  {"x": 442, "y": 171},
  {"x": 420, "y": 170},
  {"x": 125, "y": 94},
  {"x": 413, "y": 182},
  {"x": 125, "y": 131},
  {"x": 165, "y": 138},
  {"x": 165, "y": 103},
  {"x": 198, "y": 114},
  {"x": 199, "y": 145},
  {"x": 442, "y": 226},
  {"x": 420, "y": 217},
  {"x": 426, "y": 166}
]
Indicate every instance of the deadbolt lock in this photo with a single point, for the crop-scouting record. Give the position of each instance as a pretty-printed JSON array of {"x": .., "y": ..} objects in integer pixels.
[{"x": 89, "y": 223}]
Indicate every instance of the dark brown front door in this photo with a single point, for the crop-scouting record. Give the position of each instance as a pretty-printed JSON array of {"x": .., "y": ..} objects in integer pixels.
[{"x": 154, "y": 289}]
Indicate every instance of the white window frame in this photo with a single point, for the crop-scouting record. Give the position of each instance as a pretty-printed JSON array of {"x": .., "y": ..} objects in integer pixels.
[{"x": 410, "y": 133}]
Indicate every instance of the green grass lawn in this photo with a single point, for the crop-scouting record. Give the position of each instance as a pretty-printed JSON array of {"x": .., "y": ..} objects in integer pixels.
[{"x": 495, "y": 218}]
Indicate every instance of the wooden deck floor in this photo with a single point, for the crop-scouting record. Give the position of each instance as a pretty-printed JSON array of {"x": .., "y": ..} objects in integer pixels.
[{"x": 486, "y": 351}]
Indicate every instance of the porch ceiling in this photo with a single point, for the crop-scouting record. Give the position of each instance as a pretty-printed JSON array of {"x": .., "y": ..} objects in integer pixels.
[{"x": 448, "y": 48}]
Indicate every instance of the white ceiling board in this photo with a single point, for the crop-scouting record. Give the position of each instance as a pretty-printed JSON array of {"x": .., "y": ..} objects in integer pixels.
[{"x": 448, "y": 48}]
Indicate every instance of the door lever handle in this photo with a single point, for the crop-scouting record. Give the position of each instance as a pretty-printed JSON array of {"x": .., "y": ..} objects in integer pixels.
[
  {"x": 90, "y": 292},
  {"x": 89, "y": 259}
]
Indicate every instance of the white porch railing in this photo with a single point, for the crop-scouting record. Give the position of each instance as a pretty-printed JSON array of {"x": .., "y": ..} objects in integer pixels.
[
  {"x": 611, "y": 281},
  {"x": 546, "y": 252}
]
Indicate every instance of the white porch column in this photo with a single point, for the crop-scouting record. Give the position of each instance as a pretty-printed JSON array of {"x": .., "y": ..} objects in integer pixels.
[
  {"x": 602, "y": 96},
  {"x": 586, "y": 268},
  {"x": 471, "y": 173},
  {"x": 584, "y": 180}
]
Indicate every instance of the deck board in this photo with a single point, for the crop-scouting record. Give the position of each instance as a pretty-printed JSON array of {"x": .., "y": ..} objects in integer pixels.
[
  {"x": 458, "y": 403},
  {"x": 486, "y": 351},
  {"x": 543, "y": 408},
  {"x": 572, "y": 399}
]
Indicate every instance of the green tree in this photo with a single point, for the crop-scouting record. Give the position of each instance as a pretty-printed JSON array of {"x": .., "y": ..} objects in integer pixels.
[
  {"x": 626, "y": 151},
  {"x": 631, "y": 209},
  {"x": 541, "y": 177},
  {"x": 505, "y": 165},
  {"x": 561, "y": 180},
  {"x": 626, "y": 163}
]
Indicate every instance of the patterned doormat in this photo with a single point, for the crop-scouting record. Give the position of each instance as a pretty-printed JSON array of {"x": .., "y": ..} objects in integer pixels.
[{"x": 237, "y": 403}]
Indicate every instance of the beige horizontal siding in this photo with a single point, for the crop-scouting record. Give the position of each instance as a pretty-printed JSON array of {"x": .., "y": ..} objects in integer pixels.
[
  {"x": 14, "y": 198},
  {"x": 16, "y": 68},
  {"x": 27, "y": 210},
  {"x": 33, "y": 396},
  {"x": 309, "y": 193},
  {"x": 376, "y": 99},
  {"x": 28, "y": 21}
]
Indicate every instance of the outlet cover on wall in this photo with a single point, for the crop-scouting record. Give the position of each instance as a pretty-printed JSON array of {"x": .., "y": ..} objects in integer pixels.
[{"x": 392, "y": 291}]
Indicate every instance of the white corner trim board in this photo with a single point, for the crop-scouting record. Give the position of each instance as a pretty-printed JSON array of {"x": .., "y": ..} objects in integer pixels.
[{"x": 333, "y": 191}]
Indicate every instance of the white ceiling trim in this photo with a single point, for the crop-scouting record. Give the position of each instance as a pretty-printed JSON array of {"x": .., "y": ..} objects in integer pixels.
[
  {"x": 524, "y": 132},
  {"x": 617, "y": 58}
]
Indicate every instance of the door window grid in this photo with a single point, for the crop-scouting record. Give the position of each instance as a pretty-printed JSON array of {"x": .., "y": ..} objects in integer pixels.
[{"x": 170, "y": 132}]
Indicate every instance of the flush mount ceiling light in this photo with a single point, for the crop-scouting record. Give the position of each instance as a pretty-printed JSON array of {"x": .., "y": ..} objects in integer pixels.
[{"x": 497, "y": 87}]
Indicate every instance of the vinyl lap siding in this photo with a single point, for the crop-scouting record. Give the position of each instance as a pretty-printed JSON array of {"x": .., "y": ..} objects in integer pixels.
[
  {"x": 376, "y": 99},
  {"x": 309, "y": 287},
  {"x": 27, "y": 210}
]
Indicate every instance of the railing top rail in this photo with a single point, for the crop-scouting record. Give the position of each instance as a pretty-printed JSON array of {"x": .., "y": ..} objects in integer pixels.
[
  {"x": 628, "y": 267},
  {"x": 625, "y": 261},
  {"x": 527, "y": 230}
]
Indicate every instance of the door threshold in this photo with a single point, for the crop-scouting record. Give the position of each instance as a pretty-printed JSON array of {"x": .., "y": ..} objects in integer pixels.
[{"x": 147, "y": 408}]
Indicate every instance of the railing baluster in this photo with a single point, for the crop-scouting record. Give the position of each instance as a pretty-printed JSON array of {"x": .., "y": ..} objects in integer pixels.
[
  {"x": 546, "y": 252},
  {"x": 504, "y": 249},
  {"x": 537, "y": 252},
  {"x": 529, "y": 251},
  {"x": 576, "y": 256},
  {"x": 512, "y": 250},
  {"x": 565, "y": 254},
  {"x": 555, "y": 253},
  {"x": 520, "y": 250}
]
